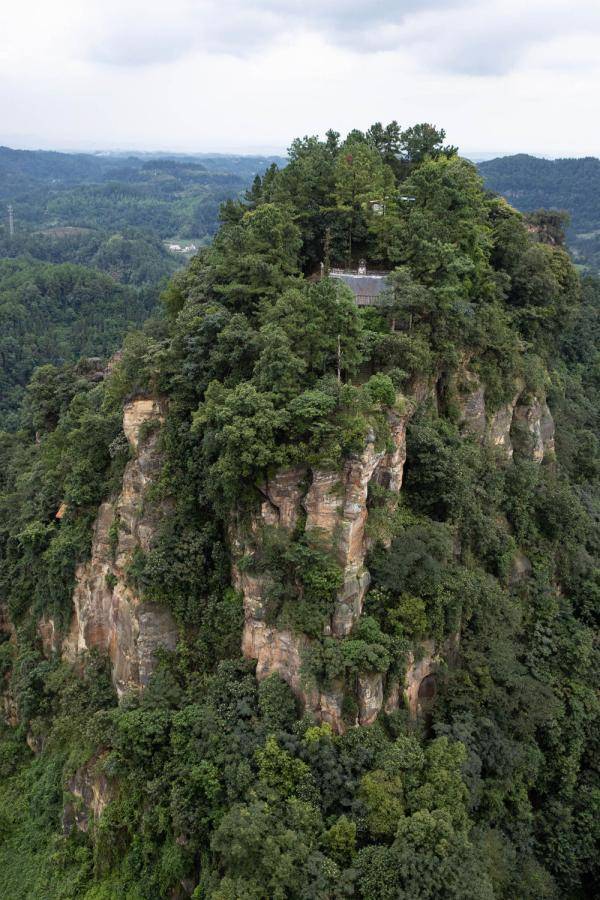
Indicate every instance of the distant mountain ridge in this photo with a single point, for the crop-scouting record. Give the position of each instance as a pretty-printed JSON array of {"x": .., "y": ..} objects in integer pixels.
[
  {"x": 81, "y": 166},
  {"x": 529, "y": 182}
]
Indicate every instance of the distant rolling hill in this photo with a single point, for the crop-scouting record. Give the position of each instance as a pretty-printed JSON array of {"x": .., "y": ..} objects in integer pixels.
[
  {"x": 90, "y": 248},
  {"x": 164, "y": 195},
  {"x": 571, "y": 184}
]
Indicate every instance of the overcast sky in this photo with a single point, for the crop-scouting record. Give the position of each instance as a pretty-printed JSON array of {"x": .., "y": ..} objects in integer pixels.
[{"x": 249, "y": 75}]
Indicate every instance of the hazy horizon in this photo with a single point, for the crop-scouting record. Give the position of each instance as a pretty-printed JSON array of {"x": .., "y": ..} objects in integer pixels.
[{"x": 474, "y": 155}]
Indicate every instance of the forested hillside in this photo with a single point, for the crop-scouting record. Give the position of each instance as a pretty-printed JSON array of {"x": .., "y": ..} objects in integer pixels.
[
  {"x": 165, "y": 196},
  {"x": 572, "y": 185},
  {"x": 300, "y": 599},
  {"x": 56, "y": 314},
  {"x": 107, "y": 215}
]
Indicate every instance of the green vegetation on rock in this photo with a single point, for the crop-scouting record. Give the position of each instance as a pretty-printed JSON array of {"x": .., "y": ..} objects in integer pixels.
[{"x": 217, "y": 785}]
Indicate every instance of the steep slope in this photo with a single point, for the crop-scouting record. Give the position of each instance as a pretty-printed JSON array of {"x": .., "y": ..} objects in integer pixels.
[
  {"x": 107, "y": 614},
  {"x": 301, "y": 599}
]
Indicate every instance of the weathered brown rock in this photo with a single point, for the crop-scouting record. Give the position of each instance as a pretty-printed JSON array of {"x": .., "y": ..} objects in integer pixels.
[
  {"x": 471, "y": 404},
  {"x": 524, "y": 424},
  {"x": 108, "y": 615},
  {"x": 532, "y": 430},
  {"x": 329, "y": 707},
  {"x": 283, "y": 493},
  {"x": 390, "y": 470},
  {"x": 90, "y": 791},
  {"x": 547, "y": 431},
  {"x": 335, "y": 506},
  {"x": 370, "y": 697},
  {"x": 498, "y": 429},
  {"x": 324, "y": 502},
  {"x": 393, "y": 698},
  {"x": 61, "y": 511},
  {"x": 275, "y": 650},
  {"x": 137, "y": 413},
  {"x": 417, "y": 671},
  {"x": 419, "y": 681},
  {"x": 491, "y": 429},
  {"x": 422, "y": 388},
  {"x": 49, "y": 636}
]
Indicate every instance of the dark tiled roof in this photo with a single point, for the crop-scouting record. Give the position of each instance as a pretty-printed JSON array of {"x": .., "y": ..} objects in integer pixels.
[{"x": 363, "y": 285}]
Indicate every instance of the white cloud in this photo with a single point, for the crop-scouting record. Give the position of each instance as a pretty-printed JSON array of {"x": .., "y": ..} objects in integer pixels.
[
  {"x": 217, "y": 74},
  {"x": 138, "y": 33}
]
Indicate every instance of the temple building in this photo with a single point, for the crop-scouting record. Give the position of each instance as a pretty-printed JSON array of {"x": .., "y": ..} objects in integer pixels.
[{"x": 366, "y": 287}]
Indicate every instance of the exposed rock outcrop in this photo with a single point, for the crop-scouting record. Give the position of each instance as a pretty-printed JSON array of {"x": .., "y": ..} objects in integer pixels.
[
  {"x": 90, "y": 791},
  {"x": 283, "y": 493},
  {"x": 335, "y": 507},
  {"x": 370, "y": 697},
  {"x": 471, "y": 402},
  {"x": 419, "y": 679},
  {"x": 280, "y": 651},
  {"x": 107, "y": 613},
  {"x": 524, "y": 424},
  {"x": 497, "y": 433},
  {"x": 49, "y": 636},
  {"x": 418, "y": 670},
  {"x": 532, "y": 429}
]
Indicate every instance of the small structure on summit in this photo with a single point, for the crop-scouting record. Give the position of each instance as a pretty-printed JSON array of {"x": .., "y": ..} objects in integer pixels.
[{"x": 367, "y": 287}]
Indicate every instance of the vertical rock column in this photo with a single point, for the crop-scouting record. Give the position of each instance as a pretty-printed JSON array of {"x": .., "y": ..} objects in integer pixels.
[
  {"x": 107, "y": 614},
  {"x": 335, "y": 505}
]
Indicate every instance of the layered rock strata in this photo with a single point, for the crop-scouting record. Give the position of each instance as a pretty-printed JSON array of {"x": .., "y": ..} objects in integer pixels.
[
  {"x": 109, "y": 616},
  {"x": 334, "y": 505},
  {"x": 524, "y": 424},
  {"x": 107, "y": 613}
]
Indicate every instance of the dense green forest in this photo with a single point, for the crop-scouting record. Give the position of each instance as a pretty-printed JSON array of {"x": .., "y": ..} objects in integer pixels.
[
  {"x": 571, "y": 185},
  {"x": 107, "y": 215},
  {"x": 165, "y": 196},
  {"x": 55, "y": 314},
  {"x": 212, "y": 782}
]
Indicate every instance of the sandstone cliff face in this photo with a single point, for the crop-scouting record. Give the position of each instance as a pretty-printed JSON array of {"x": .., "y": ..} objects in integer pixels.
[
  {"x": 110, "y": 617},
  {"x": 471, "y": 400},
  {"x": 524, "y": 424},
  {"x": 335, "y": 506},
  {"x": 90, "y": 793},
  {"x": 107, "y": 614},
  {"x": 420, "y": 677},
  {"x": 532, "y": 429}
]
